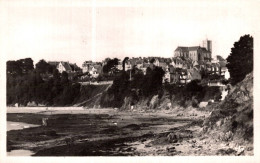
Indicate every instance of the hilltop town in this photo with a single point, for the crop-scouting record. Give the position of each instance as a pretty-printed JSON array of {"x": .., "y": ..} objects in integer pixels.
[
  {"x": 187, "y": 64},
  {"x": 187, "y": 104}
]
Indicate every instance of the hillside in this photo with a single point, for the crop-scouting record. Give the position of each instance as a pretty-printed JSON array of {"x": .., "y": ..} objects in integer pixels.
[
  {"x": 90, "y": 95},
  {"x": 232, "y": 119}
]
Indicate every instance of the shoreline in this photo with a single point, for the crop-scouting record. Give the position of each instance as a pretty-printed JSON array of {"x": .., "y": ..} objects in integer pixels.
[{"x": 108, "y": 132}]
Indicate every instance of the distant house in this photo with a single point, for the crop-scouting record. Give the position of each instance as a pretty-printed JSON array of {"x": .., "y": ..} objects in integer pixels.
[
  {"x": 167, "y": 75},
  {"x": 85, "y": 66},
  {"x": 227, "y": 74},
  {"x": 54, "y": 63},
  {"x": 193, "y": 74},
  {"x": 183, "y": 77},
  {"x": 144, "y": 67},
  {"x": 128, "y": 65},
  {"x": 95, "y": 70},
  {"x": 65, "y": 66},
  {"x": 119, "y": 66}
]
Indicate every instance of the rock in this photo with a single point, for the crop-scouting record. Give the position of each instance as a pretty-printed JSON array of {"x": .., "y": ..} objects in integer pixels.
[
  {"x": 193, "y": 141},
  {"x": 170, "y": 149},
  {"x": 240, "y": 150},
  {"x": 228, "y": 135},
  {"x": 203, "y": 104},
  {"x": 147, "y": 145},
  {"x": 249, "y": 148},
  {"x": 169, "y": 106},
  {"x": 173, "y": 138},
  {"x": 154, "y": 102},
  {"x": 228, "y": 151},
  {"x": 219, "y": 123}
]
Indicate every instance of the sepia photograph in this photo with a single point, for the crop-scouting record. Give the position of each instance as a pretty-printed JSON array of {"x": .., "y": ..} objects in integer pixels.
[{"x": 128, "y": 79}]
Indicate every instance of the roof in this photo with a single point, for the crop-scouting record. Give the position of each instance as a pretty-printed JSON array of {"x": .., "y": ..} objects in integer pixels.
[
  {"x": 222, "y": 64},
  {"x": 220, "y": 58},
  {"x": 191, "y": 48},
  {"x": 74, "y": 66},
  {"x": 53, "y": 63},
  {"x": 66, "y": 65},
  {"x": 182, "y": 48},
  {"x": 145, "y": 65},
  {"x": 162, "y": 64},
  {"x": 171, "y": 69}
]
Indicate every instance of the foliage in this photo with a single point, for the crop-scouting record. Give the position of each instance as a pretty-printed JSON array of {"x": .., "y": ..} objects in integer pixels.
[
  {"x": 140, "y": 85},
  {"x": 240, "y": 60},
  {"x": 19, "y": 67},
  {"x": 43, "y": 67},
  {"x": 111, "y": 63},
  {"x": 25, "y": 84}
]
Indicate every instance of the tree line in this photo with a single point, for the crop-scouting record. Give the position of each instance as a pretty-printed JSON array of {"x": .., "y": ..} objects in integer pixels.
[{"x": 26, "y": 84}]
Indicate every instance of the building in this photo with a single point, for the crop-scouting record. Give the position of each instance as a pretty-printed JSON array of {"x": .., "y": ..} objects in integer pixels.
[
  {"x": 195, "y": 53},
  {"x": 193, "y": 74},
  {"x": 65, "y": 66},
  {"x": 207, "y": 44}
]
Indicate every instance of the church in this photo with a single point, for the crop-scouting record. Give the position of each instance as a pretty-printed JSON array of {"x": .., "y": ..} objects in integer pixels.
[{"x": 195, "y": 53}]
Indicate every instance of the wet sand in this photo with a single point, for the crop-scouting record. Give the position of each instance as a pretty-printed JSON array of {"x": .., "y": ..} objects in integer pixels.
[{"x": 108, "y": 132}]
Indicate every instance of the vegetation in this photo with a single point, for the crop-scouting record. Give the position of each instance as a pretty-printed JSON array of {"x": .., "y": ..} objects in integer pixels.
[
  {"x": 25, "y": 84},
  {"x": 110, "y": 65},
  {"x": 240, "y": 60},
  {"x": 139, "y": 86}
]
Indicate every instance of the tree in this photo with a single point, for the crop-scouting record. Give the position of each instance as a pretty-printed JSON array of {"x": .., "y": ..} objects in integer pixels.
[
  {"x": 26, "y": 64},
  {"x": 64, "y": 78},
  {"x": 13, "y": 67},
  {"x": 110, "y": 65},
  {"x": 240, "y": 60},
  {"x": 42, "y": 66}
]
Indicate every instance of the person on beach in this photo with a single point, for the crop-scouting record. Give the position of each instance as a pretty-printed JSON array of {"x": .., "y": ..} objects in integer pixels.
[{"x": 44, "y": 121}]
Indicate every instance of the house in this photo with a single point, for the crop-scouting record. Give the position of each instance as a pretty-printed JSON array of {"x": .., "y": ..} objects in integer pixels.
[
  {"x": 128, "y": 65},
  {"x": 144, "y": 67},
  {"x": 193, "y": 74},
  {"x": 85, "y": 66},
  {"x": 119, "y": 66},
  {"x": 183, "y": 77},
  {"x": 227, "y": 75},
  {"x": 167, "y": 76},
  {"x": 53, "y": 63},
  {"x": 64, "y": 66},
  {"x": 95, "y": 70},
  {"x": 75, "y": 68}
]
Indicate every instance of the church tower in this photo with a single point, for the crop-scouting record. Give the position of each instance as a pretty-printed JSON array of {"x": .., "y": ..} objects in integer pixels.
[{"x": 207, "y": 44}]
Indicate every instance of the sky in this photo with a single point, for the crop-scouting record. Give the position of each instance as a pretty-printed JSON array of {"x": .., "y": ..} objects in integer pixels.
[{"x": 77, "y": 31}]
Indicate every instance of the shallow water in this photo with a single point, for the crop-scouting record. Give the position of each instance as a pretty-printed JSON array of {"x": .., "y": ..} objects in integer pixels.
[
  {"x": 20, "y": 152},
  {"x": 18, "y": 125}
]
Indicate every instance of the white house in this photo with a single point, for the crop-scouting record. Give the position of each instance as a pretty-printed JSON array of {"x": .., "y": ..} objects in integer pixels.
[{"x": 227, "y": 75}]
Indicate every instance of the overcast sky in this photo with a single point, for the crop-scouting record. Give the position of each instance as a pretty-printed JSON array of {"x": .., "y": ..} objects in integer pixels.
[{"x": 75, "y": 32}]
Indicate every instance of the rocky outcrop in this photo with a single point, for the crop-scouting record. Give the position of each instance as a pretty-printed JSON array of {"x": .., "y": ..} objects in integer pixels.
[{"x": 232, "y": 118}]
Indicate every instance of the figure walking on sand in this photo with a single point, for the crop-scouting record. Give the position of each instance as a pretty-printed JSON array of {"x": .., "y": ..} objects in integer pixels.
[{"x": 44, "y": 121}]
